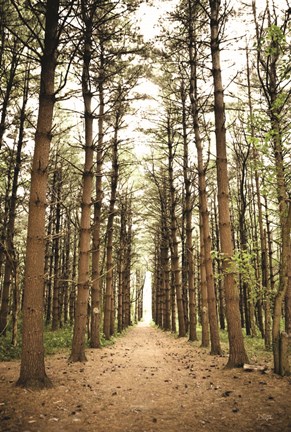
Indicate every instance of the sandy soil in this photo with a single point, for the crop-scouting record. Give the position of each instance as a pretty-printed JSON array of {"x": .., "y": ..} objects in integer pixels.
[{"x": 148, "y": 381}]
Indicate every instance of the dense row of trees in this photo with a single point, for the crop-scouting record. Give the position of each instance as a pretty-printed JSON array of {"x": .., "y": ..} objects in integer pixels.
[
  {"x": 213, "y": 220},
  {"x": 244, "y": 231}
]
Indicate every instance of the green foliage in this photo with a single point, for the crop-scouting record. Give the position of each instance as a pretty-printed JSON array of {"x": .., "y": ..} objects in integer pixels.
[
  {"x": 107, "y": 342},
  {"x": 54, "y": 341},
  {"x": 7, "y": 350},
  {"x": 275, "y": 40},
  {"x": 255, "y": 346},
  {"x": 244, "y": 263},
  {"x": 241, "y": 265}
]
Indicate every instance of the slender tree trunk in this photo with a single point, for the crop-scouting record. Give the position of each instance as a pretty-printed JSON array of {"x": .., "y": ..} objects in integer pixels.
[
  {"x": 264, "y": 263},
  {"x": 267, "y": 62},
  {"x": 120, "y": 315},
  {"x": 166, "y": 324},
  {"x": 237, "y": 353},
  {"x": 5, "y": 217},
  {"x": 284, "y": 213},
  {"x": 32, "y": 370},
  {"x": 109, "y": 247},
  {"x": 96, "y": 280},
  {"x": 66, "y": 270},
  {"x": 207, "y": 244},
  {"x": 73, "y": 285},
  {"x": 56, "y": 248},
  {"x": 203, "y": 206},
  {"x": 15, "y": 307},
  {"x": 127, "y": 268},
  {"x": 173, "y": 302},
  {"x": 285, "y": 224},
  {"x": 188, "y": 217},
  {"x": 184, "y": 270},
  {"x": 174, "y": 243},
  {"x": 78, "y": 343},
  {"x": 9, "y": 88},
  {"x": 140, "y": 284},
  {"x": 48, "y": 266},
  {"x": 219, "y": 271},
  {"x": 11, "y": 261},
  {"x": 204, "y": 313}
]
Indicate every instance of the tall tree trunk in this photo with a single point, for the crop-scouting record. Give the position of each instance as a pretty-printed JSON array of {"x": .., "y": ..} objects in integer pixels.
[
  {"x": 57, "y": 185},
  {"x": 78, "y": 343},
  {"x": 15, "y": 307},
  {"x": 174, "y": 241},
  {"x": 127, "y": 269},
  {"x": 5, "y": 216},
  {"x": 220, "y": 286},
  {"x": 184, "y": 270},
  {"x": 73, "y": 285},
  {"x": 166, "y": 281},
  {"x": 285, "y": 225},
  {"x": 32, "y": 370},
  {"x": 66, "y": 268},
  {"x": 96, "y": 280},
  {"x": 188, "y": 217},
  {"x": 274, "y": 91},
  {"x": 109, "y": 246},
  {"x": 204, "y": 313},
  {"x": 140, "y": 278},
  {"x": 264, "y": 263},
  {"x": 237, "y": 353},
  {"x": 207, "y": 246},
  {"x": 265, "y": 276},
  {"x": 203, "y": 206},
  {"x": 126, "y": 278},
  {"x": 165, "y": 292},
  {"x": 9, "y": 88},
  {"x": 120, "y": 307},
  {"x": 11, "y": 261}
]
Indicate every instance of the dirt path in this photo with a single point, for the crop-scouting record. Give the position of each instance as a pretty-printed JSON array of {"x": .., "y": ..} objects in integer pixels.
[{"x": 148, "y": 381}]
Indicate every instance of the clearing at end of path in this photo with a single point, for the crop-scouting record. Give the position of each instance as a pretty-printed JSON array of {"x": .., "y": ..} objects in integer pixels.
[{"x": 148, "y": 381}]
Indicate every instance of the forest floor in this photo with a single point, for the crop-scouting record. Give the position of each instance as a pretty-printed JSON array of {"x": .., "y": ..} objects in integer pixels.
[{"x": 148, "y": 381}]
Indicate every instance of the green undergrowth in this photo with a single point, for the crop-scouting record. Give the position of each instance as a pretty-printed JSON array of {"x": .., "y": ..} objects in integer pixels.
[
  {"x": 255, "y": 346},
  {"x": 54, "y": 342},
  {"x": 7, "y": 350},
  {"x": 61, "y": 340}
]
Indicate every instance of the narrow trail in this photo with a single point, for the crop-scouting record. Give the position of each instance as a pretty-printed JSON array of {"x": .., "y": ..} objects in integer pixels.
[{"x": 148, "y": 381}]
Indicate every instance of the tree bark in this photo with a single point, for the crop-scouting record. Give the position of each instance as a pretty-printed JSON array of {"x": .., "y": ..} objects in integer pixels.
[
  {"x": 32, "y": 370},
  {"x": 237, "y": 353},
  {"x": 204, "y": 314},
  {"x": 188, "y": 217},
  {"x": 9, "y": 88},
  {"x": 109, "y": 246},
  {"x": 96, "y": 280},
  {"x": 56, "y": 248},
  {"x": 11, "y": 261},
  {"x": 78, "y": 343},
  {"x": 174, "y": 241}
]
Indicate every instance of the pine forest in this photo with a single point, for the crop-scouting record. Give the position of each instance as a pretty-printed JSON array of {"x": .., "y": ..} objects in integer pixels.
[{"x": 145, "y": 215}]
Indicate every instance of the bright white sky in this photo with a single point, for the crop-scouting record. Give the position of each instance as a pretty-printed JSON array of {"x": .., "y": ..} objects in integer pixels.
[{"x": 150, "y": 15}]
